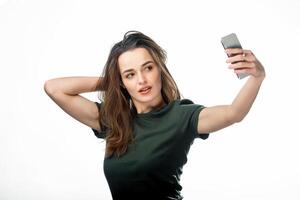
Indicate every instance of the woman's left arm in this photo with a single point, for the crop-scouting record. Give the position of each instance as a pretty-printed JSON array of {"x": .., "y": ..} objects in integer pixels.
[{"x": 217, "y": 117}]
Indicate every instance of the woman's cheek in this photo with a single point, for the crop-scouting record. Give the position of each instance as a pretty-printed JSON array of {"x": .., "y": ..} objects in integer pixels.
[{"x": 131, "y": 87}]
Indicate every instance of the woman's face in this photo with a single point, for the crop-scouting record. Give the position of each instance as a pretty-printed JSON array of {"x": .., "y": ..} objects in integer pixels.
[{"x": 141, "y": 76}]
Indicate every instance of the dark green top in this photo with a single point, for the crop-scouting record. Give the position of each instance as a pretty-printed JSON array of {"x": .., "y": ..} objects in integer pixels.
[{"x": 152, "y": 166}]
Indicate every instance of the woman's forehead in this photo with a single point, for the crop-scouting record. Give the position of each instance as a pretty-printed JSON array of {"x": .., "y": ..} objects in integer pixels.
[{"x": 134, "y": 58}]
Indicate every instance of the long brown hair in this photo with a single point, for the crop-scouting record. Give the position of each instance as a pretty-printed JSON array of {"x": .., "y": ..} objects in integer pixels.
[{"x": 117, "y": 110}]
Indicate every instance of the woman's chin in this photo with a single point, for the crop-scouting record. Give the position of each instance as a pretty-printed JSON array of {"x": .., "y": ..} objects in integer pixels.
[{"x": 146, "y": 99}]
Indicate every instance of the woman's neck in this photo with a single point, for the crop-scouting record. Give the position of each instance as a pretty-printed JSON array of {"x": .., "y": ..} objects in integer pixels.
[{"x": 147, "y": 107}]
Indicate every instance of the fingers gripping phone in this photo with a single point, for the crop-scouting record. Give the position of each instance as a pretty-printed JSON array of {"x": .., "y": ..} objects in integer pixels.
[{"x": 231, "y": 41}]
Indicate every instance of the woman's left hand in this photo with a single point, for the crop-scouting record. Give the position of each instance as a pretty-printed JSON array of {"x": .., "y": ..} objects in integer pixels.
[{"x": 244, "y": 61}]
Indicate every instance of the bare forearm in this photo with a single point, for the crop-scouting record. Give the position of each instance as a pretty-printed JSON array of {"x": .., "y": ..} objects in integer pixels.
[
  {"x": 217, "y": 117},
  {"x": 73, "y": 85},
  {"x": 245, "y": 98}
]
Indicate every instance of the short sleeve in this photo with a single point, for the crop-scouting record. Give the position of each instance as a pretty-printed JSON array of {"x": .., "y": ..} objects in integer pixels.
[
  {"x": 194, "y": 123},
  {"x": 192, "y": 111},
  {"x": 98, "y": 133}
]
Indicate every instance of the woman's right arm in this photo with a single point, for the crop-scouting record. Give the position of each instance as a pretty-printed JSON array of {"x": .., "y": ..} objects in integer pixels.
[{"x": 65, "y": 92}]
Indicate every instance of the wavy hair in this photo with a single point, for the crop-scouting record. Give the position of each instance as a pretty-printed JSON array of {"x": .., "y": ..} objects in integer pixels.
[{"x": 117, "y": 110}]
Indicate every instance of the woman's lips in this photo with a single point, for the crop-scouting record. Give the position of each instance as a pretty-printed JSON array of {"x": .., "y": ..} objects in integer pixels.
[{"x": 145, "y": 91}]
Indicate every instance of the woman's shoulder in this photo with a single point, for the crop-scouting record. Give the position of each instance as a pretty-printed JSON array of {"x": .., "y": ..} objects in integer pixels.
[
  {"x": 185, "y": 101},
  {"x": 187, "y": 105}
]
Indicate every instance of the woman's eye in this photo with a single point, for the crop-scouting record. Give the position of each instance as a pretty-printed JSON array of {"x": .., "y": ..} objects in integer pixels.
[
  {"x": 129, "y": 75},
  {"x": 149, "y": 68}
]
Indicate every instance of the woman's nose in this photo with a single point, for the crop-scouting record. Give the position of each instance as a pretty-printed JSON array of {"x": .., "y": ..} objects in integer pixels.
[{"x": 141, "y": 78}]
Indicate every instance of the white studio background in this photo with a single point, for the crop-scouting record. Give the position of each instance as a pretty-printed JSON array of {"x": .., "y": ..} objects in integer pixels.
[{"x": 46, "y": 154}]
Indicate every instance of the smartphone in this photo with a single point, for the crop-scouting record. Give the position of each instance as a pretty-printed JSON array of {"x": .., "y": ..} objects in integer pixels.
[{"x": 231, "y": 41}]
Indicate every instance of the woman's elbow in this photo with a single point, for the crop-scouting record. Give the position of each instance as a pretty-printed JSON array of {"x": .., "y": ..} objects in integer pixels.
[
  {"x": 49, "y": 87},
  {"x": 235, "y": 116}
]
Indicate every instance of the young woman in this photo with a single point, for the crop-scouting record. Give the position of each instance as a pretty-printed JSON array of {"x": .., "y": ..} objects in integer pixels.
[{"x": 147, "y": 127}]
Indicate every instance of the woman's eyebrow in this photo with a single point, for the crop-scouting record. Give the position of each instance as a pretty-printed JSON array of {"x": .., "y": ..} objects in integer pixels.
[{"x": 147, "y": 62}]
